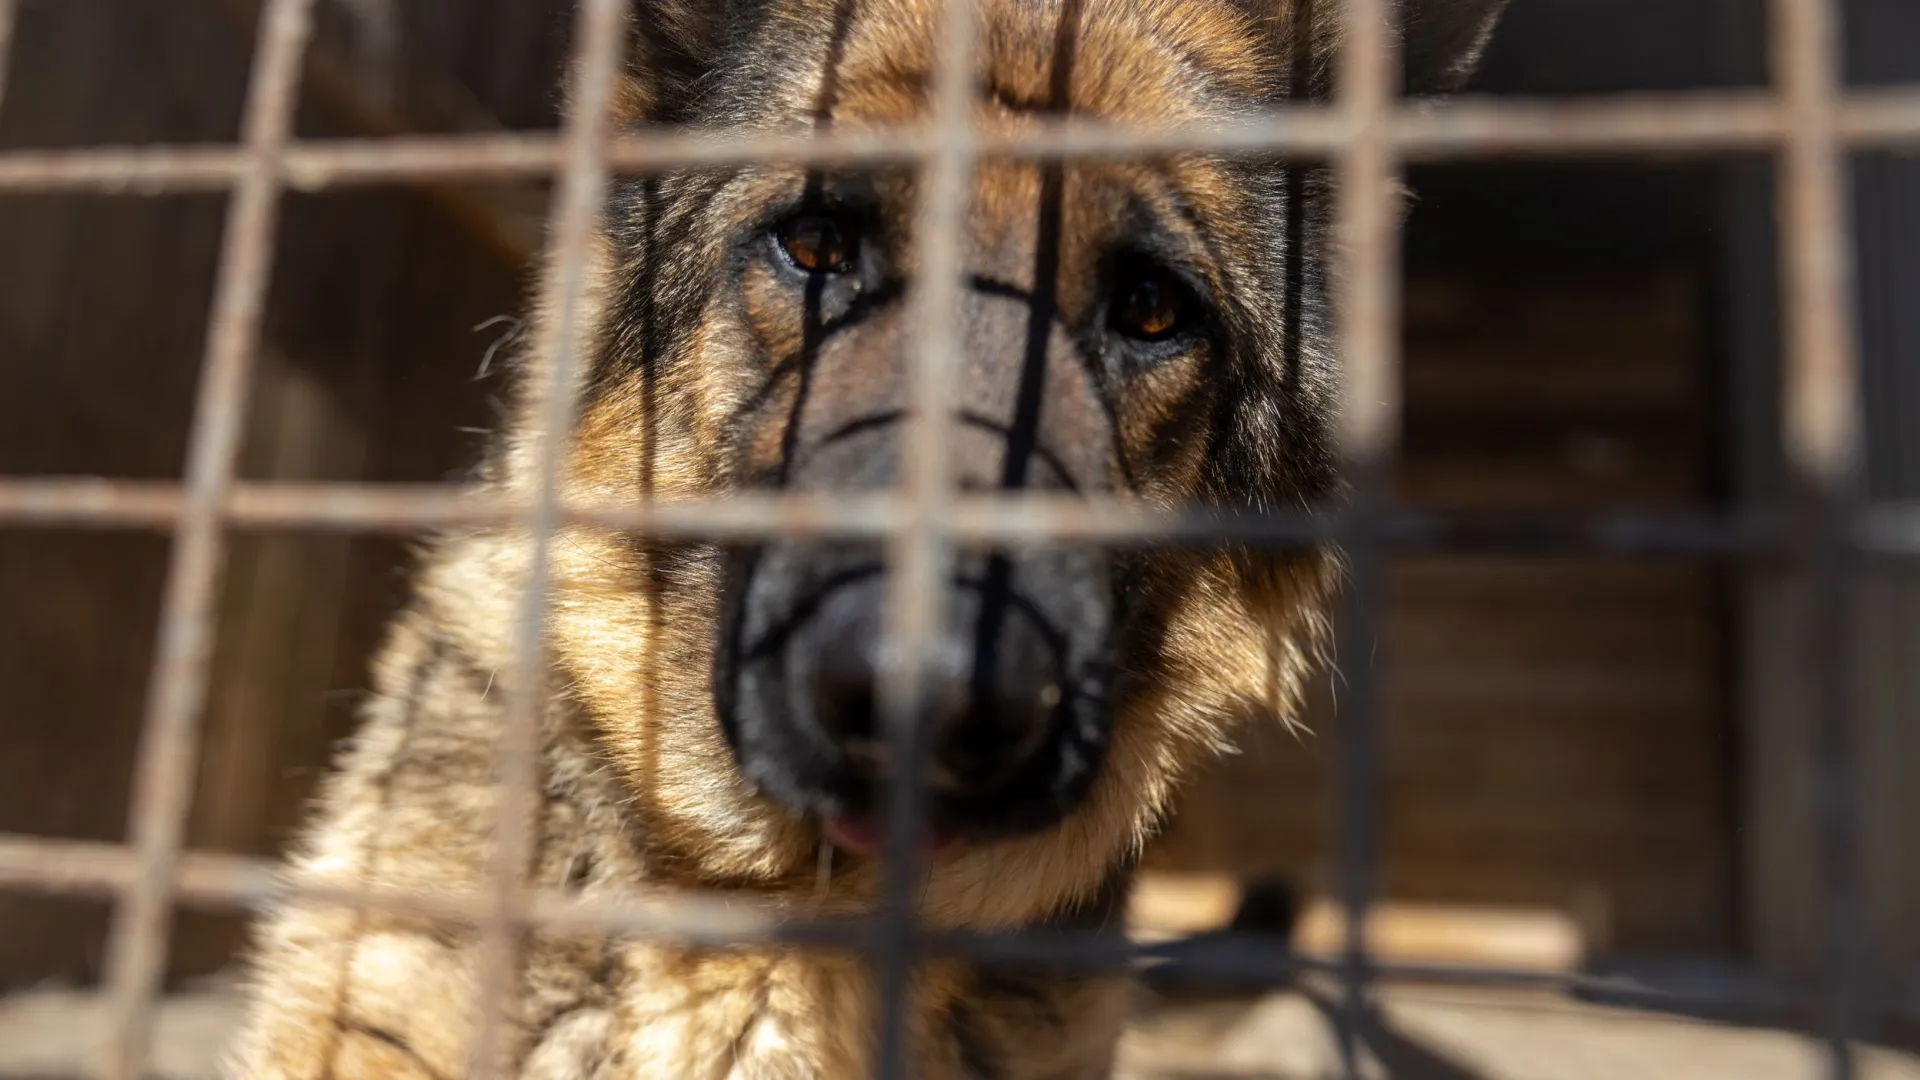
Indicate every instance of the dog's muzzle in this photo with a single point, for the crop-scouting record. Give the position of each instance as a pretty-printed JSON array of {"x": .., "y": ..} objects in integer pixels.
[
  {"x": 1011, "y": 713},
  {"x": 1013, "y": 710}
]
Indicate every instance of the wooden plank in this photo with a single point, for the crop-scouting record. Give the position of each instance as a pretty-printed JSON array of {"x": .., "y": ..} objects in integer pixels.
[
  {"x": 102, "y": 306},
  {"x": 371, "y": 316},
  {"x": 1519, "y": 938},
  {"x": 1554, "y": 729}
]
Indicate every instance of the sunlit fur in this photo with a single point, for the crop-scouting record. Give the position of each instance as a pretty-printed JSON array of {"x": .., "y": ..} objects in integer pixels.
[{"x": 639, "y": 786}]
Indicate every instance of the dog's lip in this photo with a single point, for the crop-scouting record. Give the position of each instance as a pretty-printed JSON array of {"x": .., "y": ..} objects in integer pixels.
[{"x": 866, "y": 834}]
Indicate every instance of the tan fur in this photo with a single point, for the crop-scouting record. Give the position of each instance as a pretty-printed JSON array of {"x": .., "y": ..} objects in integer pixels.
[{"x": 639, "y": 788}]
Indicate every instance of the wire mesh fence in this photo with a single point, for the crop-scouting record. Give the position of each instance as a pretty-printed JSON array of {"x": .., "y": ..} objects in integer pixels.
[{"x": 1368, "y": 135}]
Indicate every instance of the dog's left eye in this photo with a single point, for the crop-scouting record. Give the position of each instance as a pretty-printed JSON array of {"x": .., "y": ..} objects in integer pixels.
[
  {"x": 819, "y": 243},
  {"x": 1150, "y": 304}
]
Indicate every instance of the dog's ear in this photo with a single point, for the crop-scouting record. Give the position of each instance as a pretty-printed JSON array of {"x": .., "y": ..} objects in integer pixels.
[
  {"x": 675, "y": 44},
  {"x": 1443, "y": 41}
]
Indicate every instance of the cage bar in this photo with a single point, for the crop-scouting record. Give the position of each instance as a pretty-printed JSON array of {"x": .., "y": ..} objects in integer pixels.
[
  {"x": 1031, "y": 517},
  {"x": 242, "y": 883},
  {"x": 9, "y": 12},
  {"x": 1701, "y": 122},
  {"x": 1822, "y": 436},
  {"x": 578, "y": 203},
  {"x": 164, "y": 768},
  {"x": 1822, "y": 416},
  {"x": 1888, "y": 530},
  {"x": 1366, "y": 319},
  {"x": 919, "y": 549}
]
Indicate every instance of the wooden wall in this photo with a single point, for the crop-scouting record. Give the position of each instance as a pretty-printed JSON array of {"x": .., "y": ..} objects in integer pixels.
[
  {"x": 1556, "y": 731},
  {"x": 1559, "y": 731},
  {"x": 368, "y": 373},
  {"x": 1782, "y": 847}
]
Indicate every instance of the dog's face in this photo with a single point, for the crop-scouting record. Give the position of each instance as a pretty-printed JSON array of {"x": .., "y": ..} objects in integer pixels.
[
  {"x": 1103, "y": 330},
  {"x": 1147, "y": 330},
  {"x": 1088, "y": 328}
]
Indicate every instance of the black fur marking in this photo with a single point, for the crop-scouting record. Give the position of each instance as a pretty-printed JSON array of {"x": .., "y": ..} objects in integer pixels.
[
  {"x": 1032, "y": 994},
  {"x": 1004, "y": 290},
  {"x": 579, "y": 871},
  {"x": 775, "y": 637},
  {"x": 814, "y": 330},
  {"x": 382, "y": 1035},
  {"x": 966, "y": 417},
  {"x": 1294, "y": 268},
  {"x": 978, "y": 1056},
  {"x": 863, "y": 306},
  {"x": 1036, "y": 448}
]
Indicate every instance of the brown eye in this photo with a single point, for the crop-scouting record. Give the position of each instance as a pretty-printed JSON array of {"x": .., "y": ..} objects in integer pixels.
[
  {"x": 1151, "y": 305},
  {"x": 819, "y": 244}
]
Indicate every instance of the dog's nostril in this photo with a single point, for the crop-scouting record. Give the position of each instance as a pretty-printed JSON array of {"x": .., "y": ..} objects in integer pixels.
[
  {"x": 845, "y": 710},
  {"x": 843, "y": 692}
]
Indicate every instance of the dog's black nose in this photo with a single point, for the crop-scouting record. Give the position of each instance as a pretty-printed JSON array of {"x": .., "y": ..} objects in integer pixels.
[{"x": 990, "y": 685}]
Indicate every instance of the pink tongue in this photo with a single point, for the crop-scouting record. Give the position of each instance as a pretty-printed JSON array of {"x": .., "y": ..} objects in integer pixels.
[{"x": 868, "y": 836}]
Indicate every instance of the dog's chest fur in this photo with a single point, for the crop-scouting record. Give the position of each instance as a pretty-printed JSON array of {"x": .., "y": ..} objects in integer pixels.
[{"x": 346, "y": 995}]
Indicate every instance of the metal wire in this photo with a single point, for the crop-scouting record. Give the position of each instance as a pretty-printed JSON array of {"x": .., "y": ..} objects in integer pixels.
[
  {"x": 1367, "y": 306},
  {"x": 9, "y": 12},
  {"x": 576, "y": 211},
  {"x": 1884, "y": 531},
  {"x": 1365, "y": 134},
  {"x": 167, "y": 757},
  {"x": 1691, "y": 123},
  {"x": 920, "y": 548},
  {"x": 231, "y": 882},
  {"x": 1821, "y": 419}
]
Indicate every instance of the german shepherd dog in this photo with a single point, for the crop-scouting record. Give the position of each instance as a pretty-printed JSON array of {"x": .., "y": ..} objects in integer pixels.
[{"x": 1144, "y": 330}]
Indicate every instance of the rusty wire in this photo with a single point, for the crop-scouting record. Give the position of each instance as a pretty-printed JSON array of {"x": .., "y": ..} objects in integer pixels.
[
  {"x": 218, "y": 882},
  {"x": 1884, "y": 530},
  {"x": 1806, "y": 118},
  {"x": 1821, "y": 430},
  {"x": 576, "y": 211},
  {"x": 1367, "y": 317},
  {"x": 9, "y": 13},
  {"x": 1821, "y": 425},
  {"x": 1689, "y": 123},
  {"x": 177, "y": 692},
  {"x": 918, "y": 551}
]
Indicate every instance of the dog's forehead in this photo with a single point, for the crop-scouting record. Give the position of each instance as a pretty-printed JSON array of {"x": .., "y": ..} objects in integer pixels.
[{"x": 870, "y": 62}]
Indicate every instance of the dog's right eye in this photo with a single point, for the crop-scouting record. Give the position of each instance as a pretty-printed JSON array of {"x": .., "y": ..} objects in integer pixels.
[{"x": 819, "y": 243}]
